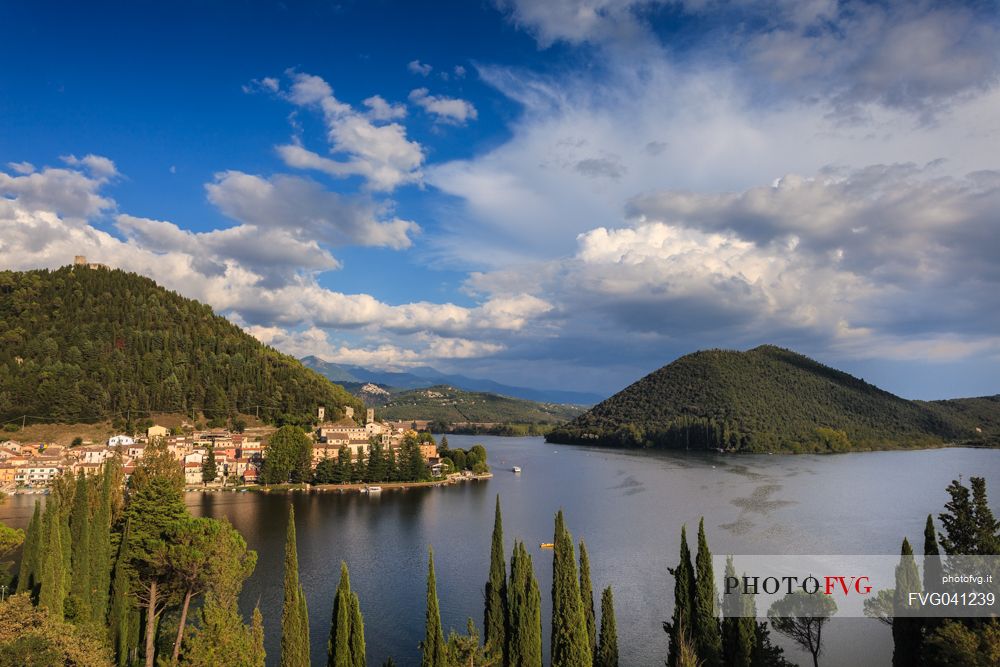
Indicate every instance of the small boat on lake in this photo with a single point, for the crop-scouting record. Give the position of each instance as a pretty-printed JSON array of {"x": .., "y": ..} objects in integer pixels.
[
  {"x": 372, "y": 489},
  {"x": 515, "y": 469}
]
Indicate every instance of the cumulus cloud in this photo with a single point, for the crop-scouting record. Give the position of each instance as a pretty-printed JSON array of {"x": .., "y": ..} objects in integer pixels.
[
  {"x": 380, "y": 153},
  {"x": 444, "y": 109},
  {"x": 306, "y": 209},
  {"x": 72, "y": 193},
  {"x": 889, "y": 261},
  {"x": 418, "y": 67},
  {"x": 379, "y": 109}
]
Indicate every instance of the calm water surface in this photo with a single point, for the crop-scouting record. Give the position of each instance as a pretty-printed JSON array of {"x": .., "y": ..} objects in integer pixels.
[{"x": 628, "y": 506}]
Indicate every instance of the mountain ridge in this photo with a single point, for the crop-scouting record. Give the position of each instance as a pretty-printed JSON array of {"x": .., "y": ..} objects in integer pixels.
[{"x": 422, "y": 377}]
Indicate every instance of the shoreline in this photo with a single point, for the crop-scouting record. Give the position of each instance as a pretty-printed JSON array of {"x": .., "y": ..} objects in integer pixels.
[{"x": 338, "y": 488}]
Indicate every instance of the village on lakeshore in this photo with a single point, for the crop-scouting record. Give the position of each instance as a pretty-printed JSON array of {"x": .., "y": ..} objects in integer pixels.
[{"x": 30, "y": 467}]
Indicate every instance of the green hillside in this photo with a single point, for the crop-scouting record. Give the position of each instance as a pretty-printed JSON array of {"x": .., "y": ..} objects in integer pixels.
[
  {"x": 449, "y": 405},
  {"x": 768, "y": 399},
  {"x": 80, "y": 345}
]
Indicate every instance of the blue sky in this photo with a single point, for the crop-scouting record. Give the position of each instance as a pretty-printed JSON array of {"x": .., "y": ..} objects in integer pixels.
[{"x": 562, "y": 194}]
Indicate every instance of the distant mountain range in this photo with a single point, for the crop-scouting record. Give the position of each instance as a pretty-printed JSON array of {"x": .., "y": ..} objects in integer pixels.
[
  {"x": 770, "y": 399},
  {"x": 450, "y": 405},
  {"x": 424, "y": 376}
]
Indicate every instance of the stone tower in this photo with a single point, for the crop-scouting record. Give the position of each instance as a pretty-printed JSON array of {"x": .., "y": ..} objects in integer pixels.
[
  {"x": 349, "y": 412},
  {"x": 370, "y": 417},
  {"x": 321, "y": 414}
]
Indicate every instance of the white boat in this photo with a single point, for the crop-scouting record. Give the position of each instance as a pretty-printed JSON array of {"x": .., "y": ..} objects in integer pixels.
[
  {"x": 515, "y": 469},
  {"x": 374, "y": 489}
]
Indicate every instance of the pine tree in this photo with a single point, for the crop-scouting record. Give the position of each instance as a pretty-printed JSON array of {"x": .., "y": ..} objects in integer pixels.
[
  {"x": 607, "y": 645},
  {"x": 705, "y": 626},
  {"x": 738, "y": 627},
  {"x": 987, "y": 527},
  {"x": 433, "y": 647},
  {"x": 496, "y": 615},
  {"x": 570, "y": 643},
  {"x": 80, "y": 525},
  {"x": 524, "y": 639},
  {"x": 587, "y": 597},
  {"x": 294, "y": 614},
  {"x": 906, "y": 630},
  {"x": 684, "y": 585},
  {"x": 27, "y": 576},
  {"x": 958, "y": 520}
]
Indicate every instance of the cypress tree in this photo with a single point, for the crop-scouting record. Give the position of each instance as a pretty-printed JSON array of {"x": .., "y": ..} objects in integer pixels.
[
  {"x": 339, "y": 645},
  {"x": 496, "y": 616},
  {"x": 27, "y": 575},
  {"x": 123, "y": 618},
  {"x": 432, "y": 648},
  {"x": 257, "y": 638},
  {"x": 933, "y": 569},
  {"x": 524, "y": 639},
  {"x": 738, "y": 631},
  {"x": 80, "y": 523},
  {"x": 683, "y": 600},
  {"x": 607, "y": 645},
  {"x": 570, "y": 646},
  {"x": 52, "y": 593},
  {"x": 294, "y": 614},
  {"x": 705, "y": 626},
  {"x": 357, "y": 633},
  {"x": 587, "y": 597},
  {"x": 100, "y": 545},
  {"x": 906, "y": 630}
]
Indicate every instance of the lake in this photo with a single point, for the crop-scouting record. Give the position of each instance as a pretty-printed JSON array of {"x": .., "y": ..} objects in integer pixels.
[{"x": 627, "y": 506}]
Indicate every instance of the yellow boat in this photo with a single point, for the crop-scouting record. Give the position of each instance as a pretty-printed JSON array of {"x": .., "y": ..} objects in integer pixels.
[{"x": 546, "y": 545}]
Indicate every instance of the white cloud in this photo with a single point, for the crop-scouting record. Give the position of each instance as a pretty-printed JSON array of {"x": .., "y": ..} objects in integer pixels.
[
  {"x": 459, "y": 72},
  {"x": 303, "y": 207},
  {"x": 67, "y": 192},
  {"x": 379, "y": 109},
  {"x": 892, "y": 261},
  {"x": 444, "y": 109},
  {"x": 418, "y": 67},
  {"x": 21, "y": 167},
  {"x": 100, "y": 167},
  {"x": 382, "y": 154},
  {"x": 583, "y": 148}
]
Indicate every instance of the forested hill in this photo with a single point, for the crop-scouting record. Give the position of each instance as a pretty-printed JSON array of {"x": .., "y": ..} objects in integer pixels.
[
  {"x": 80, "y": 344},
  {"x": 769, "y": 399}
]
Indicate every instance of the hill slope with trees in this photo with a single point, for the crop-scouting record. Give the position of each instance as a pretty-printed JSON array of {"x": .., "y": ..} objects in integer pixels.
[
  {"x": 769, "y": 399},
  {"x": 81, "y": 345}
]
